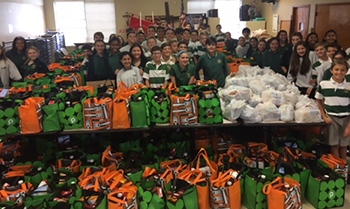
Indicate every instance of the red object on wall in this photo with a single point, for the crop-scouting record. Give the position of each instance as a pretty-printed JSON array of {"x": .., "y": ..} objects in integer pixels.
[{"x": 135, "y": 23}]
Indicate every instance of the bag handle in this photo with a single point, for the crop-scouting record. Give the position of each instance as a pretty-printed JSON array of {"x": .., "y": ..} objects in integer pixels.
[
  {"x": 192, "y": 181},
  {"x": 130, "y": 190},
  {"x": 223, "y": 178},
  {"x": 206, "y": 158}
]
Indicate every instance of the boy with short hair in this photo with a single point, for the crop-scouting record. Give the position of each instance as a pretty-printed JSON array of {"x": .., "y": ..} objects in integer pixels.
[
  {"x": 87, "y": 51},
  {"x": 166, "y": 54},
  {"x": 151, "y": 42},
  {"x": 246, "y": 34},
  {"x": 220, "y": 36},
  {"x": 156, "y": 73},
  {"x": 151, "y": 33},
  {"x": 140, "y": 37},
  {"x": 208, "y": 29},
  {"x": 194, "y": 42},
  {"x": 242, "y": 48},
  {"x": 214, "y": 64},
  {"x": 170, "y": 34},
  {"x": 174, "y": 47},
  {"x": 331, "y": 50},
  {"x": 131, "y": 37},
  {"x": 333, "y": 101},
  {"x": 178, "y": 34},
  {"x": 182, "y": 46},
  {"x": 231, "y": 43},
  {"x": 161, "y": 34},
  {"x": 323, "y": 63},
  {"x": 98, "y": 36},
  {"x": 201, "y": 47}
]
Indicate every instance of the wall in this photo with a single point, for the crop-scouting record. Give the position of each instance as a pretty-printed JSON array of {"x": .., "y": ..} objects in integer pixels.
[
  {"x": 121, "y": 7},
  {"x": 21, "y": 18},
  {"x": 284, "y": 8},
  {"x": 145, "y": 7}
]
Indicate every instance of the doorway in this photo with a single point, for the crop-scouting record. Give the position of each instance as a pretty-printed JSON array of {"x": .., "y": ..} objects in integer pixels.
[
  {"x": 335, "y": 17},
  {"x": 300, "y": 20}
]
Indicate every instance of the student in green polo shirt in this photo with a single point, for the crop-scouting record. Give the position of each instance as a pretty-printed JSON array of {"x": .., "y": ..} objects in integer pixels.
[
  {"x": 156, "y": 73},
  {"x": 182, "y": 73},
  {"x": 283, "y": 38},
  {"x": 273, "y": 57},
  {"x": 99, "y": 68},
  {"x": 34, "y": 63},
  {"x": 113, "y": 55},
  {"x": 18, "y": 52},
  {"x": 214, "y": 64},
  {"x": 258, "y": 55}
]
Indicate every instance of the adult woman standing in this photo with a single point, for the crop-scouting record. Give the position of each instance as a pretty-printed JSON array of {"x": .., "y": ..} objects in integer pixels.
[
  {"x": 18, "y": 52},
  {"x": 8, "y": 71}
]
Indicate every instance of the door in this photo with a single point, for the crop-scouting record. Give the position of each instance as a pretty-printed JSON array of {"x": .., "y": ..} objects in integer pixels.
[
  {"x": 335, "y": 17},
  {"x": 300, "y": 20}
]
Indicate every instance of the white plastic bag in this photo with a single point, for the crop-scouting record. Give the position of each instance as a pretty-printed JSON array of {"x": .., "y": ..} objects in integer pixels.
[
  {"x": 269, "y": 80},
  {"x": 234, "y": 81},
  {"x": 287, "y": 112},
  {"x": 236, "y": 92},
  {"x": 255, "y": 100},
  {"x": 250, "y": 115},
  {"x": 257, "y": 86},
  {"x": 268, "y": 112},
  {"x": 234, "y": 109},
  {"x": 292, "y": 95},
  {"x": 254, "y": 71},
  {"x": 308, "y": 115},
  {"x": 305, "y": 101},
  {"x": 273, "y": 96}
]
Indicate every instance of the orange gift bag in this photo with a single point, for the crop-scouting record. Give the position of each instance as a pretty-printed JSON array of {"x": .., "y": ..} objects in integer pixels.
[
  {"x": 31, "y": 115},
  {"x": 283, "y": 193}
]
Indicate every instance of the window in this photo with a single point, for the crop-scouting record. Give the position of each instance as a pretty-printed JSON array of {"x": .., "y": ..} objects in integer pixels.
[
  {"x": 228, "y": 13},
  {"x": 229, "y": 17},
  {"x": 79, "y": 20}
]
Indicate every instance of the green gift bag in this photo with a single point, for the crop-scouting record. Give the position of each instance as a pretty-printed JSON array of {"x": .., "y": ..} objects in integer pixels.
[
  {"x": 209, "y": 105},
  {"x": 139, "y": 108},
  {"x": 288, "y": 167},
  {"x": 326, "y": 188},
  {"x": 159, "y": 106},
  {"x": 9, "y": 118},
  {"x": 51, "y": 120},
  {"x": 72, "y": 115},
  {"x": 254, "y": 181},
  {"x": 145, "y": 182}
]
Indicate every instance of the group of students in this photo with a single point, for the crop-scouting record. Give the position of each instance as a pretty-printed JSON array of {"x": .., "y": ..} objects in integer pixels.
[
  {"x": 19, "y": 62},
  {"x": 156, "y": 61},
  {"x": 319, "y": 69}
]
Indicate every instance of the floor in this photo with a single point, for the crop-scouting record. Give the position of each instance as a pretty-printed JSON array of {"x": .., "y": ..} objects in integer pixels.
[{"x": 307, "y": 205}]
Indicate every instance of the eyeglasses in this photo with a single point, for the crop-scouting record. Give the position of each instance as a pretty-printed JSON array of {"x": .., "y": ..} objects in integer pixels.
[{"x": 157, "y": 53}]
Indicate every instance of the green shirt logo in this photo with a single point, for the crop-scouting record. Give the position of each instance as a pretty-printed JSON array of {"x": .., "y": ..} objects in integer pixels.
[{"x": 219, "y": 61}]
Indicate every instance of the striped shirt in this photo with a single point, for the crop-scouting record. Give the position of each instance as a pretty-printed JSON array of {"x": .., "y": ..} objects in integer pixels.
[
  {"x": 321, "y": 66},
  {"x": 220, "y": 37},
  {"x": 156, "y": 74},
  {"x": 192, "y": 48},
  {"x": 336, "y": 97},
  {"x": 201, "y": 50}
]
